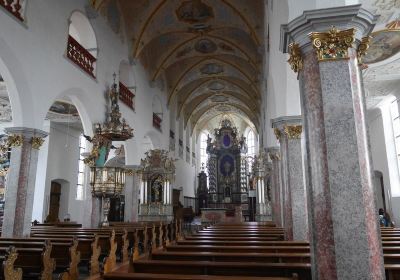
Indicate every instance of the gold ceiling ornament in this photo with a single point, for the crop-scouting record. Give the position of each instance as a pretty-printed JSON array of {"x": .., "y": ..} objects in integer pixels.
[
  {"x": 293, "y": 131},
  {"x": 274, "y": 155},
  {"x": 362, "y": 48},
  {"x": 277, "y": 133},
  {"x": 334, "y": 44},
  {"x": 37, "y": 142},
  {"x": 296, "y": 59},
  {"x": 393, "y": 25},
  {"x": 15, "y": 140}
]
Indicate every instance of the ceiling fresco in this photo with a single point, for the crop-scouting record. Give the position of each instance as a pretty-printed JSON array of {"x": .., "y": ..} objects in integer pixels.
[{"x": 199, "y": 48}]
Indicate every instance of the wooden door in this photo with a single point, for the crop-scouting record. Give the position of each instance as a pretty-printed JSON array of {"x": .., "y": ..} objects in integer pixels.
[{"x": 55, "y": 195}]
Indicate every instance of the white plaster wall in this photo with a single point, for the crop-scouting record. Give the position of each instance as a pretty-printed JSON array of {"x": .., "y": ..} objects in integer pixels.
[
  {"x": 62, "y": 166},
  {"x": 384, "y": 159},
  {"x": 283, "y": 95}
]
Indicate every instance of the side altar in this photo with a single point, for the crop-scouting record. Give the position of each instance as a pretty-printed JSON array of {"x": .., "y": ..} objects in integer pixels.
[{"x": 157, "y": 172}]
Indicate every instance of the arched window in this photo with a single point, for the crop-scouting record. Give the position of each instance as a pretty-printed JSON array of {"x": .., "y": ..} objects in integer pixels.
[
  {"x": 203, "y": 150},
  {"x": 80, "y": 186},
  {"x": 82, "y": 46},
  {"x": 251, "y": 146}
]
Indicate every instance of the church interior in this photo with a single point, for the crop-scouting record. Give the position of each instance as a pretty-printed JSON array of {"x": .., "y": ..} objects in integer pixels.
[{"x": 200, "y": 139}]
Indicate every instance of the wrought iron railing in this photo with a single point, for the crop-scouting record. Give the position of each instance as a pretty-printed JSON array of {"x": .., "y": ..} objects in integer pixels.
[
  {"x": 14, "y": 7},
  {"x": 80, "y": 56},
  {"x": 126, "y": 96},
  {"x": 157, "y": 121}
]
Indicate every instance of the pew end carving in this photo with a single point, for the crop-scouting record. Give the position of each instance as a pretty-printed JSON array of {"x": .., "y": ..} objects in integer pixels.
[
  {"x": 94, "y": 259},
  {"x": 10, "y": 273},
  {"x": 75, "y": 257},
  {"x": 49, "y": 264},
  {"x": 111, "y": 260}
]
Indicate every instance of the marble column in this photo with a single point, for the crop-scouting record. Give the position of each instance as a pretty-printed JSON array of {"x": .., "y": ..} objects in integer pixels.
[
  {"x": 96, "y": 212},
  {"x": 288, "y": 131},
  {"x": 276, "y": 189},
  {"x": 129, "y": 195},
  {"x": 326, "y": 51},
  {"x": 20, "y": 186}
]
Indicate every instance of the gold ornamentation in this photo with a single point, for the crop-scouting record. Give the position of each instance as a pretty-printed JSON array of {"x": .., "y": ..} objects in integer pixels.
[
  {"x": 3, "y": 172},
  {"x": 362, "y": 48},
  {"x": 15, "y": 140},
  {"x": 75, "y": 256},
  {"x": 293, "y": 131},
  {"x": 277, "y": 133},
  {"x": 111, "y": 260},
  {"x": 136, "y": 253},
  {"x": 49, "y": 264},
  {"x": 125, "y": 245},
  {"x": 274, "y": 156},
  {"x": 334, "y": 44},
  {"x": 130, "y": 172},
  {"x": 37, "y": 142},
  {"x": 10, "y": 273},
  {"x": 94, "y": 258},
  {"x": 295, "y": 60}
]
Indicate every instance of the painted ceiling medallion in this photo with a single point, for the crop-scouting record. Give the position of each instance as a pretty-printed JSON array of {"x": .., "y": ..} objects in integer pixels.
[
  {"x": 384, "y": 44},
  {"x": 194, "y": 11},
  {"x": 224, "y": 108},
  {"x": 205, "y": 46},
  {"x": 211, "y": 69},
  {"x": 216, "y": 85},
  {"x": 219, "y": 98}
]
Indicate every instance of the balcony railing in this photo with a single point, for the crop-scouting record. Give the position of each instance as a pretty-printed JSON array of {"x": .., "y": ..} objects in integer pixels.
[
  {"x": 157, "y": 121},
  {"x": 126, "y": 96},
  {"x": 14, "y": 7},
  {"x": 80, "y": 56}
]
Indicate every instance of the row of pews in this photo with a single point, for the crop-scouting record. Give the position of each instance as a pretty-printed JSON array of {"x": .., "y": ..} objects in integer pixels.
[
  {"x": 240, "y": 251},
  {"x": 224, "y": 251},
  {"x": 62, "y": 252}
]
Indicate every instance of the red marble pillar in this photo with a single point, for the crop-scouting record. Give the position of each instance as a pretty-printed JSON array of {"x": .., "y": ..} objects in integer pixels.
[
  {"x": 21, "y": 177},
  {"x": 343, "y": 222},
  {"x": 276, "y": 189}
]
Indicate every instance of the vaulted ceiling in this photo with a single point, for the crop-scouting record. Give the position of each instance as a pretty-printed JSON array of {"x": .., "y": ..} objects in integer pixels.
[{"x": 207, "y": 52}]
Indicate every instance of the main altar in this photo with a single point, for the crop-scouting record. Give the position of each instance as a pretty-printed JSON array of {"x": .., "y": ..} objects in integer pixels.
[{"x": 227, "y": 168}]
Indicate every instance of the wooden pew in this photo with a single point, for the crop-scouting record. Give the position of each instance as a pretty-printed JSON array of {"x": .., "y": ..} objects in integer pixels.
[
  {"x": 146, "y": 276},
  {"x": 244, "y": 269}
]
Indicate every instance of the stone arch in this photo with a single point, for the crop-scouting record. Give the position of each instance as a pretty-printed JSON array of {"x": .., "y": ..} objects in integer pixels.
[{"x": 17, "y": 86}]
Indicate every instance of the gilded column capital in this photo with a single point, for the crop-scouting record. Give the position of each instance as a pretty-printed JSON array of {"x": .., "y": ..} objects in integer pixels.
[
  {"x": 37, "y": 142},
  {"x": 333, "y": 44},
  {"x": 277, "y": 133},
  {"x": 362, "y": 48},
  {"x": 15, "y": 140},
  {"x": 295, "y": 59},
  {"x": 293, "y": 131}
]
